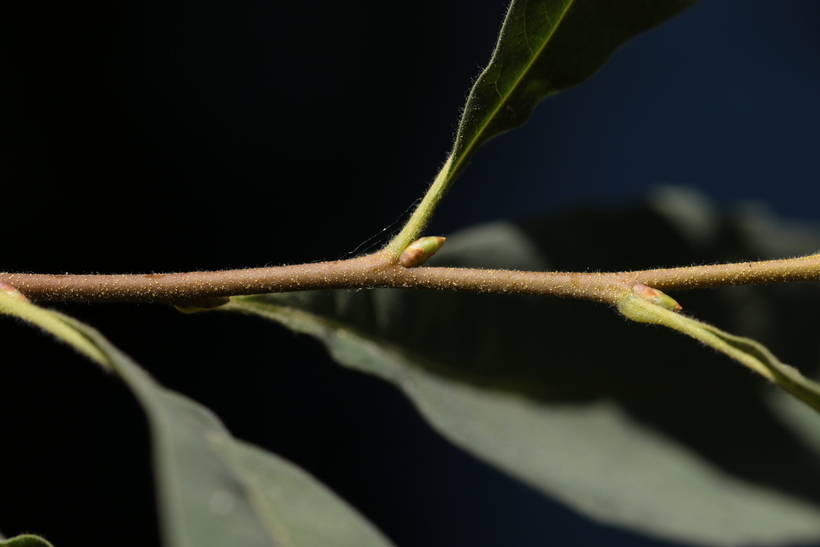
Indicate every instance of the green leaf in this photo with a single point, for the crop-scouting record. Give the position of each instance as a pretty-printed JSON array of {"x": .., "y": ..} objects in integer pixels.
[
  {"x": 25, "y": 540},
  {"x": 544, "y": 47},
  {"x": 640, "y": 429},
  {"x": 744, "y": 350},
  {"x": 214, "y": 490}
]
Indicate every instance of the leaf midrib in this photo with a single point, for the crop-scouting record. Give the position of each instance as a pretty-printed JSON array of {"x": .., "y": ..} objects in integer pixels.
[{"x": 504, "y": 98}]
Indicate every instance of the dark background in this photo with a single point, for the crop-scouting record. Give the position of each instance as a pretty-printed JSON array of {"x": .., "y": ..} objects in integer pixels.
[{"x": 205, "y": 135}]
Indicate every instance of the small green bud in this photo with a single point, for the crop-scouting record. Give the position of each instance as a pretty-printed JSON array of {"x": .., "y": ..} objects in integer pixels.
[
  {"x": 418, "y": 252},
  {"x": 656, "y": 297},
  {"x": 11, "y": 291}
]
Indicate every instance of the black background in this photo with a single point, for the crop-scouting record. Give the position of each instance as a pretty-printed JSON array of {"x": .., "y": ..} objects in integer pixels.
[{"x": 207, "y": 135}]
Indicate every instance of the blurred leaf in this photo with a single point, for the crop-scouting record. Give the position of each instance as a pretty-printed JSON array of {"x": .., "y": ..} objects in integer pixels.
[
  {"x": 545, "y": 47},
  {"x": 214, "y": 490},
  {"x": 25, "y": 540},
  {"x": 298, "y": 508},
  {"x": 644, "y": 430}
]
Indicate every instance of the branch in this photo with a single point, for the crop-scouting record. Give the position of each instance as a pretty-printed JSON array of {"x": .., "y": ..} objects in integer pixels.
[{"x": 382, "y": 269}]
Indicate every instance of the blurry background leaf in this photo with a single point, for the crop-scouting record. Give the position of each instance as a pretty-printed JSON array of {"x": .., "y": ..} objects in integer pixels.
[
  {"x": 212, "y": 489},
  {"x": 215, "y": 490},
  {"x": 613, "y": 418}
]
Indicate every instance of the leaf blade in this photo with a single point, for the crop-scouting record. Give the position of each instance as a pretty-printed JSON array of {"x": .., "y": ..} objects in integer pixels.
[
  {"x": 617, "y": 424},
  {"x": 213, "y": 490},
  {"x": 518, "y": 436},
  {"x": 543, "y": 48}
]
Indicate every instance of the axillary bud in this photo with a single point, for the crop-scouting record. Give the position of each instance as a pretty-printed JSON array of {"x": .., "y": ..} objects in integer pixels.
[
  {"x": 656, "y": 297},
  {"x": 418, "y": 252}
]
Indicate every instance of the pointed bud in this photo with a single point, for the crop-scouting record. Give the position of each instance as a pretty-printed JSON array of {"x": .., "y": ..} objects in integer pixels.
[
  {"x": 420, "y": 250},
  {"x": 656, "y": 297},
  {"x": 14, "y": 293}
]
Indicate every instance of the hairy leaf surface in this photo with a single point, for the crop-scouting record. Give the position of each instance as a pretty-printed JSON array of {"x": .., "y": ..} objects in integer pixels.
[
  {"x": 633, "y": 426},
  {"x": 544, "y": 47},
  {"x": 213, "y": 489},
  {"x": 748, "y": 352}
]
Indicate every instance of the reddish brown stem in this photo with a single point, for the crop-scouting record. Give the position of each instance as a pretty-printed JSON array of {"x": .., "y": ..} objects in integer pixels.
[
  {"x": 382, "y": 270},
  {"x": 787, "y": 270}
]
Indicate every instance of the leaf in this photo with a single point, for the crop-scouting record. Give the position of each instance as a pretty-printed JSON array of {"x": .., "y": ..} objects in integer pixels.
[
  {"x": 643, "y": 430},
  {"x": 214, "y": 490},
  {"x": 744, "y": 350},
  {"x": 299, "y": 508},
  {"x": 25, "y": 540},
  {"x": 545, "y": 47}
]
